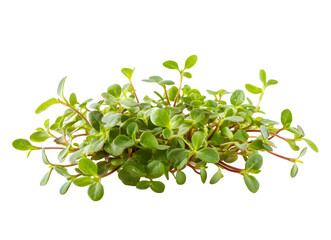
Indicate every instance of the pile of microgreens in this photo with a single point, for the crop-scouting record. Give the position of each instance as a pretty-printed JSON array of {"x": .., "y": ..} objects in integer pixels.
[{"x": 181, "y": 129}]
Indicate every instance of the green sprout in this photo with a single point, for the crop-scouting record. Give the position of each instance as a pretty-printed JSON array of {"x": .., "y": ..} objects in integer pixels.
[{"x": 143, "y": 141}]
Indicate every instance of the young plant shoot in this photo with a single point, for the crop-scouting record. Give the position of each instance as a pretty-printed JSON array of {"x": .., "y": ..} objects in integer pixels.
[{"x": 176, "y": 131}]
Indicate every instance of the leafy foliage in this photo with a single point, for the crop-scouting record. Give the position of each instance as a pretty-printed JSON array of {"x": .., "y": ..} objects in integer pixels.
[{"x": 160, "y": 138}]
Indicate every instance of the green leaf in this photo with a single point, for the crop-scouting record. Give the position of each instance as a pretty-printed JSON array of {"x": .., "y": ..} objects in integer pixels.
[
  {"x": 157, "y": 186},
  {"x": 39, "y": 136},
  {"x": 203, "y": 175},
  {"x": 171, "y": 65},
  {"x": 253, "y": 89},
  {"x": 237, "y": 97},
  {"x": 61, "y": 87},
  {"x": 73, "y": 99},
  {"x": 197, "y": 115},
  {"x": 128, "y": 102},
  {"x": 111, "y": 119},
  {"x": 180, "y": 178},
  {"x": 286, "y": 118},
  {"x": 23, "y": 145},
  {"x": 263, "y": 77},
  {"x": 115, "y": 90},
  {"x": 254, "y": 162},
  {"x": 87, "y": 166},
  {"x": 160, "y": 118},
  {"x": 148, "y": 140},
  {"x": 272, "y": 82},
  {"x": 166, "y": 82},
  {"x": 216, "y": 177},
  {"x": 208, "y": 155},
  {"x": 241, "y": 135},
  {"x": 44, "y": 157},
  {"x": 46, "y": 177},
  {"x": 172, "y": 92},
  {"x": 132, "y": 128},
  {"x": 187, "y": 74},
  {"x": 143, "y": 184},
  {"x": 75, "y": 156},
  {"x": 167, "y": 133},
  {"x": 234, "y": 119},
  {"x": 155, "y": 169},
  {"x": 264, "y": 131},
  {"x": 95, "y": 191},
  {"x": 95, "y": 118},
  {"x": 62, "y": 171},
  {"x": 153, "y": 79},
  {"x": 177, "y": 120},
  {"x": 303, "y": 152},
  {"x": 127, "y": 72},
  {"x": 128, "y": 177},
  {"x": 198, "y": 139},
  {"x": 227, "y": 133},
  {"x": 82, "y": 181},
  {"x": 46, "y": 105},
  {"x": 294, "y": 170},
  {"x": 63, "y": 154},
  {"x": 64, "y": 188},
  {"x": 256, "y": 144},
  {"x": 251, "y": 183},
  {"x": 311, "y": 144},
  {"x": 123, "y": 141},
  {"x": 191, "y": 61}
]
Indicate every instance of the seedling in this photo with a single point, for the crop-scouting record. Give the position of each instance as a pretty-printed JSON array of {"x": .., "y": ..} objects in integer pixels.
[{"x": 142, "y": 141}]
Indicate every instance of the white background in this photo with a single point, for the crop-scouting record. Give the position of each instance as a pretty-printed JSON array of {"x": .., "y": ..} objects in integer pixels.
[{"x": 90, "y": 41}]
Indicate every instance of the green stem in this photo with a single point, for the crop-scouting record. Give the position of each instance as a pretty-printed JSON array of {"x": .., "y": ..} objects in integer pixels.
[
  {"x": 180, "y": 87},
  {"x": 261, "y": 96},
  {"x": 134, "y": 91}
]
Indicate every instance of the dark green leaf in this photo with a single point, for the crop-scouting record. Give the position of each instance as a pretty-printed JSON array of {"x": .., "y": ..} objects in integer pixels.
[
  {"x": 128, "y": 177},
  {"x": 155, "y": 169},
  {"x": 23, "y": 145},
  {"x": 95, "y": 118},
  {"x": 123, "y": 141},
  {"x": 46, "y": 105},
  {"x": 143, "y": 184},
  {"x": 87, "y": 166},
  {"x": 132, "y": 128},
  {"x": 160, "y": 118},
  {"x": 253, "y": 89},
  {"x": 286, "y": 118},
  {"x": 191, "y": 61},
  {"x": 95, "y": 191},
  {"x": 198, "y": 139},
  {"x": 208, "y": 155},
  {"x": 251, "y": 183},
  {"x": 237, "y": 97},
  {"x": 148, "y": 140},
  {"x": 180, "y": 178},
  {"x": 311, "y": 144},
  {"x": 294, "y": 170},
  {"x": 254, "y": 162},
  {"x": 203, "y": 175},
  {"x": 216, "y": 177},
  {"x": 39, "y": 136},
  {"x": 171, "y": 64},
  {"x": 46, "y": 177},
  {"x": 157, "y": 186}
]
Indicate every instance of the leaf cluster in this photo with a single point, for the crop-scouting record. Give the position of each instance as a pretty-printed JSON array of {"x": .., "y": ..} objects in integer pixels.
[{"x": 161, "y": 137}]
